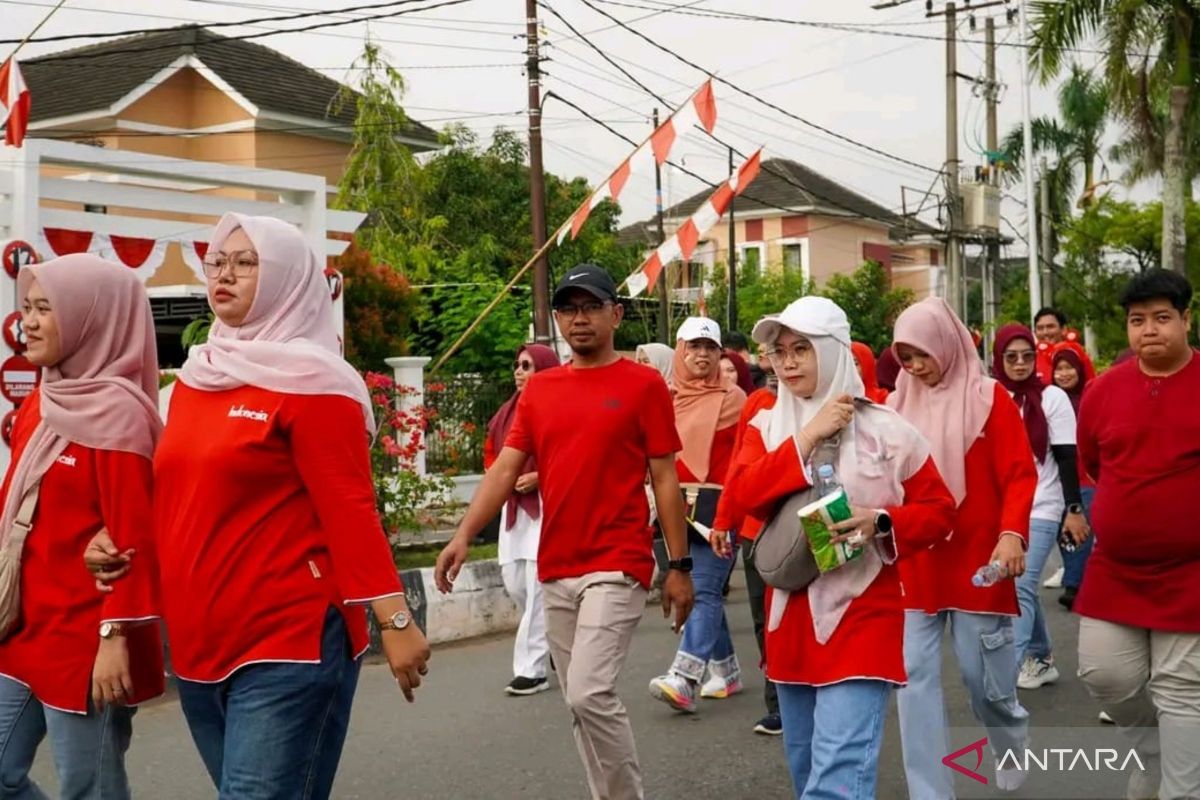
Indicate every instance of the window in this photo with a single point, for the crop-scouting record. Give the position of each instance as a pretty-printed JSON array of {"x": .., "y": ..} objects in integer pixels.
[
  {"x": 751, "y": 257},
  {"x": 795, "y": 257}
]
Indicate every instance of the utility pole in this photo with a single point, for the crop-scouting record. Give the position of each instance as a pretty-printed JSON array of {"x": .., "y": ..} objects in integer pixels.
[
  {"x": 954, "y": 292},
  {"x": 731, "y": 308},
  {"x": 1035, "y": 283},
  {"x": 991, "y": 264},
  {"x": 664, "y": 301},
  {"x": 1047, "y": 230},
  {"x": 537, "y": 178}
]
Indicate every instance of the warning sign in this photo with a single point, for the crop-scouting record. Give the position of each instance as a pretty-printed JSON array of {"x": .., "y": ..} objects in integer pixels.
[
  {"x": 18, "y": 378},
  {"x": 18, "y": 254},
  {"x": 14, "y": 332}
]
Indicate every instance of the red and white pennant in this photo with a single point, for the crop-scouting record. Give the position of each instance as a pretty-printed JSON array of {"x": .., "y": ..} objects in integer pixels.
[
  {"x": 14, "y": 103},
  {"x": 700, "y": 108},
  {"x": 683, "y": 242}
]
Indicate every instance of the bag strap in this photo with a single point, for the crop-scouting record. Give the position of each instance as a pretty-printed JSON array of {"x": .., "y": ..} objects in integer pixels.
[{"x": 23, "y": 522}]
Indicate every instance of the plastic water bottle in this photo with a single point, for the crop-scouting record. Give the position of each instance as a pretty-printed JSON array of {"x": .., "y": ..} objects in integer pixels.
[
  {"x": 827, "y": 481},
  {"x": 989, "y": 575}
]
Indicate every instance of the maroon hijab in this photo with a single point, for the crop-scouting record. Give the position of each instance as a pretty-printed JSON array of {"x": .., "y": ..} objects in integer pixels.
[
  {"x": 1071, "y": 357},
  {"x": 744, "y": 381},
  {"x": 499, "y": 426},
  {"x": 887, "y": 369},
  {"x": 1028, "y": 393}
]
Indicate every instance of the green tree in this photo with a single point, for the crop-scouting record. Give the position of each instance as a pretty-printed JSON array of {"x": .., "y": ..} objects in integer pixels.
[
  {"x": 869, "y": 301},
  {"x": 378, "y": 303},
  {"x": 1152, "y": 48}
]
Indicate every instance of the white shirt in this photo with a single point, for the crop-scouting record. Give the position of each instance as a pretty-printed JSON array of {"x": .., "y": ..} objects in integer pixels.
[
  {"x": 1048, "y": 502},
  {"x": 521, "y": 542}
]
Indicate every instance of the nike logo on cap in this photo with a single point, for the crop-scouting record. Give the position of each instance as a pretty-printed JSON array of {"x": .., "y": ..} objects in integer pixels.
[{"x": 573, "y": 277}]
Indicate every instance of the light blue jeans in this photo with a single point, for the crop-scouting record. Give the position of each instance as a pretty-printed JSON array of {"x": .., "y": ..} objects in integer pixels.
[
  {"x": 1074, "y": 563},
  {"x": 706, "y": 634},
  {"x": 983, "y": 645},
  {"x": 1032, "y": 636},
  {"x": 89, "y": 749},
  {"x": 831, "y": 736}
]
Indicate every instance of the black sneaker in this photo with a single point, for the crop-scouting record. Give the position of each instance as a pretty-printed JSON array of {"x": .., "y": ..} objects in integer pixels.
[
  {"x": 770, "y": 725},
  {"x": 1067, "y": 598},
  {"x": 521, "y": 685}
]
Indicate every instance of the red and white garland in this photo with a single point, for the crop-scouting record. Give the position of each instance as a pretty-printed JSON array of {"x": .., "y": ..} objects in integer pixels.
[{"x": 143, "y": 256}]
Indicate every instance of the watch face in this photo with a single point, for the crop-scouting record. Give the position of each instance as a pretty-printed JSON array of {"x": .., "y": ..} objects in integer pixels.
[
  {"x": 400, "y": 620},
  {"x": 106, "y": 630}
]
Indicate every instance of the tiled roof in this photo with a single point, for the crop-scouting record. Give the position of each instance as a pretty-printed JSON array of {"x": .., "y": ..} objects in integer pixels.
[{"x": 94, "y": 77}]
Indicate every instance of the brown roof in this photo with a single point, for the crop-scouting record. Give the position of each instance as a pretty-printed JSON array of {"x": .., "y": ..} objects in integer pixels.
[{"x": 93, "y": 77}]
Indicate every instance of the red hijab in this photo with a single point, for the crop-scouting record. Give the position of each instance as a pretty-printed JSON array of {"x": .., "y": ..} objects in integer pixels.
[
  {"x": 1068, "y": 352},
  {"x": 501, "y": 423},
  {"x": 744, "y": 381},
  {"x": 866, "y": 365},
  {"x": 1027, "y": 393},
  {"x": 887, "y": 370}
]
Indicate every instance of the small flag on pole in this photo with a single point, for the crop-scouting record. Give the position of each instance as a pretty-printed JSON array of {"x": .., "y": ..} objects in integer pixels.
[{"x": 14, "y": 103}]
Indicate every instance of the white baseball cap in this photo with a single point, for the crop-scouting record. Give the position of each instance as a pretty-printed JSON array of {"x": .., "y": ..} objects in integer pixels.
[
  {"x": 694, "y": 328},
  {"x": 808, "y": 316}
]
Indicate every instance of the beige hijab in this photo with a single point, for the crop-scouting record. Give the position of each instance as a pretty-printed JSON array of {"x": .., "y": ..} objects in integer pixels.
[
  {"x": 703, "y": 406},
  {"x": 103, "y": 394}
]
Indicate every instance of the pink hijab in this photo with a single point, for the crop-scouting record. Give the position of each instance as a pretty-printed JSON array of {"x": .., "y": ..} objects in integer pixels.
[
  {"x": 952, "y": 414},
  {"x": 103, "y": 394},
  {"x": 287, "y": 342}
]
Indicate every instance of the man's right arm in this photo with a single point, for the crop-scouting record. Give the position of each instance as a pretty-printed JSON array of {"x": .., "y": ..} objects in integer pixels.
[{"x": 494, "y": 490}]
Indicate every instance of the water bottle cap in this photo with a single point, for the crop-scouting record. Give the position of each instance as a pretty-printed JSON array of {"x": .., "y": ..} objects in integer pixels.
[{"x": 825, "y": 470}]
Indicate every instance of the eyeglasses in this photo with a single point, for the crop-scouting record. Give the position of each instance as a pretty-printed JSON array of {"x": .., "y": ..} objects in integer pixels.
[
  {"x": 1020, "y": 357},
  {"x": 590, "y": 308},
  {"x": 797, "y": 352},
  {"x": 522, "y": 366},
  {"x": 242, "y": 263}
]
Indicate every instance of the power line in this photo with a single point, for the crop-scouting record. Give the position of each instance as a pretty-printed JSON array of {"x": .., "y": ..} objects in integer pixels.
[{"x": 752, "y": 95}]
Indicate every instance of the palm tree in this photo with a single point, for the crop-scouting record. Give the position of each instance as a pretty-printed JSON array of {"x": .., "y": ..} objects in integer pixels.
[{"x": 1151, "y": 51}]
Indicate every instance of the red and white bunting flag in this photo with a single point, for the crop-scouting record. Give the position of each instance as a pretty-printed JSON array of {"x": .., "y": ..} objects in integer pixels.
[
  {"x": 683, "y": 242},
  {"x": 14, "y": 103},
  {"x": 701, "y": 108}
]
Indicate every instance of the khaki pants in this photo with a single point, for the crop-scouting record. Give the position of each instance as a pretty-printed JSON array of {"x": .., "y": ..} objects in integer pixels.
[
  {"x": 1149, "y": 683},
  {"x": 590, "y": 622}
]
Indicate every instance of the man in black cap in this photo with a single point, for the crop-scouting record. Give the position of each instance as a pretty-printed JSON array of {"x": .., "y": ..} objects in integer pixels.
[{"x": 595, "y": 426}]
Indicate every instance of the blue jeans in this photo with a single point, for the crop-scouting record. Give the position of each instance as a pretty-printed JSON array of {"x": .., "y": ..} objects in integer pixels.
[
  {"x": 831, "y": 735},
  {"x": 1032, "y": 636},
  {"x": 274, "y": 731},
  {"x": 706, "y": 634},
  {"x": 1074, "y": 563},
  {"x": 89, "y": 749},
  {"x": 983, "y": 645}
]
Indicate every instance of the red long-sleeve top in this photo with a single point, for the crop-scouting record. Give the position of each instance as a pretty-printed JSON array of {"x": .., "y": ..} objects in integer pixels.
[
  {"x": 54, "y": 648},
  {"x": 266, "y": 516},
  {"x": 731, "y": 517},
  {"x": 869, "y": 640},
  {"x": 719, "y": 459},
  {"x": 1001, "y": 481}
]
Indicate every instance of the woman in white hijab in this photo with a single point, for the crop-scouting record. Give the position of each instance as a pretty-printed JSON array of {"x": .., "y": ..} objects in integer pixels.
[
  {"x": 835, "y": 649},
  {"x": 659, "y": 356}
]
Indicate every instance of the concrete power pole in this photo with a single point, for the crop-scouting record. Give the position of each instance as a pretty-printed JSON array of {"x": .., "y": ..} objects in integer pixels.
[
  {"x": 991, "y": 265},
  {"x": 1047, "y": 231},
  {"x": 1035, "y": 283},
  {"x": 537, "y": 178},
  {"x": 731, "y": 309},
  {"x": 664, "y": 301},
  {"x": 954, "y": 277}
]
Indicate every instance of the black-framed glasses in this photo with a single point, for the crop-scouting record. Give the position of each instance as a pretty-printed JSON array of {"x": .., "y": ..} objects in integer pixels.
[
  {"x": 589, "y": 308},
  {"x": 522, "y": 366},
  {"x": 1020, "y": 357},
  {"x": 242, "y": 263}
]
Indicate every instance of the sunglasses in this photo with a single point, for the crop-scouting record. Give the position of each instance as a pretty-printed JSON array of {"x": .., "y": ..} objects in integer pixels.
[
  {"x": 1020, "y": 357},
  {"x": 522, "y": 366}
]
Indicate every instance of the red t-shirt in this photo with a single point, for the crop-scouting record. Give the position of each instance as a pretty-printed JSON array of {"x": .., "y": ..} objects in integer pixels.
[
  {"x": 718, "y": 459},
  {"x": 1001, "y": 481},
  {"x": 593, "y": 432},
  {"x": 1140, "y": 438},
  {"x": 265, "y": 515},
  {"x": 54, "y": 648}
]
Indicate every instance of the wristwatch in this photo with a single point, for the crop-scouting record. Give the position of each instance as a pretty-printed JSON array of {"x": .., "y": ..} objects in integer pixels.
[
  {"x": 396, "y": 622},
  {"x": 681, "y": 564},
  {"x": 883, "y": 523},
  {"x": 1075, "y": 508},
  {"x": 111, "y": 630}
]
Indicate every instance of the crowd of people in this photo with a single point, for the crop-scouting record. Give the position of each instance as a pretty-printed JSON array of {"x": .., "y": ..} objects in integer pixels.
[{"x": 246, "y": 525}]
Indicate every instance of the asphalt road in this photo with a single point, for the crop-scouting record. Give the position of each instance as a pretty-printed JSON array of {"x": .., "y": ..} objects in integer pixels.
[{"x": 464, "y": 738}]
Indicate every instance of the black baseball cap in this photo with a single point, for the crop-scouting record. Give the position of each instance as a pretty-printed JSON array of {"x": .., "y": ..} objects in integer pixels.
[{"x": 588, "y": 277}]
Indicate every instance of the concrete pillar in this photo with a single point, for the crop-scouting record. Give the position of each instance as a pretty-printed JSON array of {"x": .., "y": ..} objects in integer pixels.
[{"x": 410, "y": 371}]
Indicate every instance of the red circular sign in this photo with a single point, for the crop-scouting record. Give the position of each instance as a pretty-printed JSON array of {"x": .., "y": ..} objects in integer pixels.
[
  {"x": 6, "y": 426},
  {"x": 334, "y": 278},
  {"x": 14, "y": 332},
  {"x": 18, "y": 378},
  {"x": 18, "y": 254}
]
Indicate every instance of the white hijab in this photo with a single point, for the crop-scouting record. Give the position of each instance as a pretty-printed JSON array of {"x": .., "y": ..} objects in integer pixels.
[{"x": 877, "y": 450}]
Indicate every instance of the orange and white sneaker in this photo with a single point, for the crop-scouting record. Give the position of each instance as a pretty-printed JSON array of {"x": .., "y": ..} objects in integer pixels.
[
  {"x": 719, "y": 688},
  {"x": 676, "y": 691}
]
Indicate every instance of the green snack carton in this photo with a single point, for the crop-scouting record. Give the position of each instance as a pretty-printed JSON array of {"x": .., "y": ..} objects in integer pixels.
[{"x": 816, "y": 519}]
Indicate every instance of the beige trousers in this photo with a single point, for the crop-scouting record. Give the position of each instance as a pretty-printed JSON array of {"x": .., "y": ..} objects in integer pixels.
[
  {"x": 1149, "y": 683},
  {"x": 590, "y": 622}
]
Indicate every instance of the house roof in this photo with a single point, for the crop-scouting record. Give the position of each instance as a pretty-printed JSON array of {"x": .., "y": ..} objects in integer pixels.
[
  {"x": 94, "y": 77},
  {"x": 783, "y": 183}
]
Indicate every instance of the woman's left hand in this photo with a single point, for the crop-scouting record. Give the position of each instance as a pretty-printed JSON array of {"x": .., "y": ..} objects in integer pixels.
[
  {"x": 858, "y": 529},
  {"x": 111, "y": 681},
  {"x": 527, "y": 483}
]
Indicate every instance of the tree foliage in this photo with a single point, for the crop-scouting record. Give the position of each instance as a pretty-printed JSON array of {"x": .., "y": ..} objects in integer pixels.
[{"x": 378, "y": 303}]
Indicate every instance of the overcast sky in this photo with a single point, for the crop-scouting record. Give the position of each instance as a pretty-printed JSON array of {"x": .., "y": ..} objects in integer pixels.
[{"x": 463, "y": 63}]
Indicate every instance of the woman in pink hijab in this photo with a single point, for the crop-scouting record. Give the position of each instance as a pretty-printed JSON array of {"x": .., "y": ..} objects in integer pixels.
[
  {"x": 979, "y": 445},
  {"x": 75, "y": 662},
  {"x": 271, "y": 547}
]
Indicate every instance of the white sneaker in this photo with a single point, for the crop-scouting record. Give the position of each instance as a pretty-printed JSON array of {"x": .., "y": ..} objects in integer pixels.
[
  {"x": 718, "y": 688},
  {"x": 1037, "y": 672},
  {"x": 676, "y": 691},
  {"x": 1009, "y": 779},
  {"x": 1055, "y": 580}
]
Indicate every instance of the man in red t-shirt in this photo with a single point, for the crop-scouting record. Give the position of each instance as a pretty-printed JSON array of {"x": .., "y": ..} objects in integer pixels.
[{"x": 595, "y": 426}]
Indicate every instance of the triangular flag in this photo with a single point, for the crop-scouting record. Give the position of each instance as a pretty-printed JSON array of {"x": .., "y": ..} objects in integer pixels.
[{"x": 14, "y": 103}]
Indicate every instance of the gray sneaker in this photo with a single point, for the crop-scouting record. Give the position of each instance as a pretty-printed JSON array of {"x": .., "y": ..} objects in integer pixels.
[{"x": 1037, "y": 672}]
